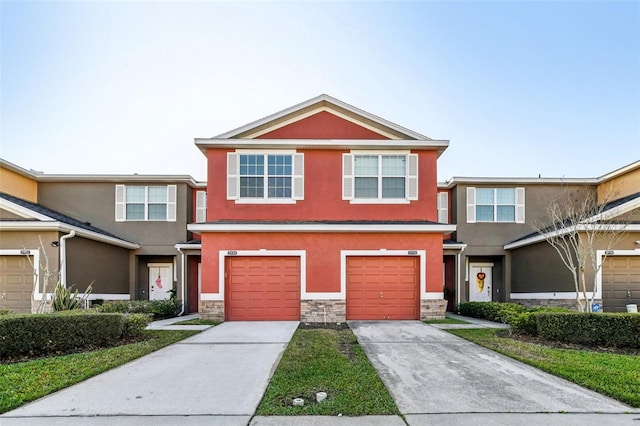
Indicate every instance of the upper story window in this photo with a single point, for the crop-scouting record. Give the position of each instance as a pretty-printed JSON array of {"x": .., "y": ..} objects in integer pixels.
[
  {"x": 388, "y": 177},
  {"x": 495, "y": 205},
  {"x": 146, "y": 203},
  {"x": 273, "y": 177}
]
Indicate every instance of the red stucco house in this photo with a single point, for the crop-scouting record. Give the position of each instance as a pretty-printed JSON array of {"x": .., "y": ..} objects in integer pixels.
[{"x": 322, "y": 212}]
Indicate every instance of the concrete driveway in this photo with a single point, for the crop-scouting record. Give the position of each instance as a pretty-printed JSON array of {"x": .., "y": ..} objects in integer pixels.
[
  {"x": 431, "y": 371},
  {"x": 217, "y": 376}
]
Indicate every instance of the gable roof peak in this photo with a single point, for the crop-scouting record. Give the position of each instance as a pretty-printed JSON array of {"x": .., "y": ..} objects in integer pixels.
[{"x": 322, "y": 102}]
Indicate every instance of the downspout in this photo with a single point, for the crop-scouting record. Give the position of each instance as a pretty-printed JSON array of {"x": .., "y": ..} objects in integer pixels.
[
  {"x": 182, "y": 280},
  {"x": 63, "y": 257},
  {"x": 459, "y": 278}
]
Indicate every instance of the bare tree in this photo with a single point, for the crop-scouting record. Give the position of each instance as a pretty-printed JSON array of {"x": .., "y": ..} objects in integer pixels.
[
  {"x": 48, "y": 275},
  {"x": 578, "y": 229}
]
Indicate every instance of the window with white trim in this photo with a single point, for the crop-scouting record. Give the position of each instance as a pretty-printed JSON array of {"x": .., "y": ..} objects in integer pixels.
[
  {"x": 146, "y": 203},
  {"x": 379, "y": 177},
  {"x": 265, "y": 177},
  {"x": 201, "y": 206},
  {"x": 505, "y": 205},
  {"x": 443, "y": 207}
]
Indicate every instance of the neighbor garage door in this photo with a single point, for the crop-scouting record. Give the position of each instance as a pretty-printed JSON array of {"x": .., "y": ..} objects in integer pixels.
[
  {"x": 383, "y": 288},
  {"x": 620, "y": 283},
  {"x": 262, "y": 288},
  {"x": 16, "y": 283}
]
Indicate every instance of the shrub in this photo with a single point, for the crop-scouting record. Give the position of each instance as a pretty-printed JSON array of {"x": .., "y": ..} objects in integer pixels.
[
  {"x": 158, "y": 308},
  {"x": 592, "y": 329},
  {"x": 521, "y": 319},
  {"x": 58, "y": 332},
  {"x": 65, "y": 299},
  {"x": 134, "y": 325},
  {"x": 6, "y": 311}
]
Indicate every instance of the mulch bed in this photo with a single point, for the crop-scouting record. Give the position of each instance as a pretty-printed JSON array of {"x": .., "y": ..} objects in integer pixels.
[{"x": 562, "y": 345}]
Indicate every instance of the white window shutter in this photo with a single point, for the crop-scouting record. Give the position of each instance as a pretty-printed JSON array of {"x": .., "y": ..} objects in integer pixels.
[
  {"x": 233, "y": 176},
  {"x": 412, "y": 177},
  {"x": 443, "y": 207},
  {"x": 120, "y": 204},
  {"x": 172, "y": 195},
  {"x": 347, "y": 177},
  {"x": 519, "y": 205},
  {"x": 471, "y": 205},
  {"x": 297, "y": 180},
  {"x": 201, "y": 206}
]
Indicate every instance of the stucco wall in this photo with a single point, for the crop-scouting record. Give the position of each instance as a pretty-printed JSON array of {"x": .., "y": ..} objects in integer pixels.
[
  {"x": 105, "y": 265},
  {"x": 17, "y": 185},
  {"x": 323, "y": 193},
  {"x": 621, "y": 186},
  {"x": 538, "y": 268}
]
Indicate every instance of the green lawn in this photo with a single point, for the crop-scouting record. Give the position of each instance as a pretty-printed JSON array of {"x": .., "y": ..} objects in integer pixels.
[
  {"x": 331, "y": 361},
  {"x": 23, "y": 382},
  {"x": 614, "y": 375},
  {"x": 446, "y": 321}
]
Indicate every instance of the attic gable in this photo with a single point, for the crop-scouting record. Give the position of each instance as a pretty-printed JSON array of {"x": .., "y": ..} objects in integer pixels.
[{"x": 307, "y": 117}]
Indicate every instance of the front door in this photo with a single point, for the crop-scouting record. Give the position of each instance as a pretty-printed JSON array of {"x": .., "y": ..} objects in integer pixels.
[
  {"x": 160, "y": 280},
  {"x": 480, "y": 282}
]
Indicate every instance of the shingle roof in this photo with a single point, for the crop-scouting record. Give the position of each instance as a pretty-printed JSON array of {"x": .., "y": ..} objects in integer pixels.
[{"x": 57, "y": 216}]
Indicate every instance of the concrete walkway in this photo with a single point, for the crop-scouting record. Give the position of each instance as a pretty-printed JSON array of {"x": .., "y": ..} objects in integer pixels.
[
  {"x": 217, "y": 376},
  {"x": 430, "y": 372}
]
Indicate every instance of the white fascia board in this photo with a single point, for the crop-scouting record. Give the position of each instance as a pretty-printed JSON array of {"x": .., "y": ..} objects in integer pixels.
[
  {"x": 620, "y": 171},
  {"x": 21, "y": 211},
  {"x": 454, "y": 246},
  {"x": 616, "y": 211},
  {"x": 341, "y": 144},
  {"x": 181, "y": 247},
  {"x": 30, "y": 174},
  {"x": 12, "y": 225},
  {"x": 315, "y": 100},
  {"x": 541, "y": 237},
  {"x": 166, "y": 179},
  {"x": 318, "y": 227},
  {"x": 514, "y": 181}
]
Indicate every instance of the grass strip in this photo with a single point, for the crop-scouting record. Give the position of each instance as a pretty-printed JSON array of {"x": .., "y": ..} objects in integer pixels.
[
  {"x": 613, "y": 375},
  {"x": 24, "y": 382},
  {"x": 330, "y": 361},
  {"x": 446, "y": 321}
]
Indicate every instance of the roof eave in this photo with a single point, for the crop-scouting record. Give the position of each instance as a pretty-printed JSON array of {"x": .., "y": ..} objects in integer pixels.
[{"x": 317, "y": 227}]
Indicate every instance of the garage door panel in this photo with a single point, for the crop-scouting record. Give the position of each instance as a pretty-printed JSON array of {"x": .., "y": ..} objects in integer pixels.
[
  {"x": 620, "y": 282},
  {"x": 16, "y": 283},
  {"x": 262, "y": 288},
  {"x": 384, "y": 287}
]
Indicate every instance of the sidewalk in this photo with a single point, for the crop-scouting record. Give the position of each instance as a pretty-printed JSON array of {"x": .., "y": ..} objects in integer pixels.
[
  {"x": 472, "y": 323},
  {"x": 169, "y": 324}
]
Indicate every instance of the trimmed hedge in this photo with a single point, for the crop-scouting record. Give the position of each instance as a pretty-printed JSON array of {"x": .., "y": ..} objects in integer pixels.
[
  {"x": 158, "y": 308},
  {"x": 134, "y": 325},
  {"x": 41, "y": 334},
  {"x": 592, "y": 329},
  {"x": 521, "y": 319}
]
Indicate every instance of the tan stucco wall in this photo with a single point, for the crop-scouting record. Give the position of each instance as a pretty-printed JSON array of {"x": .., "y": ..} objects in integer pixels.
[
  {"x": 19, "y": 186},
  {"x": 620, "y": 186}
]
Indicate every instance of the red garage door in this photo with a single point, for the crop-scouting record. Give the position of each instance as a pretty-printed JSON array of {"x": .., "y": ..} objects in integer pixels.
[
  {"x": 262, "y": 288},
  {"x": 383, "y": 287}
]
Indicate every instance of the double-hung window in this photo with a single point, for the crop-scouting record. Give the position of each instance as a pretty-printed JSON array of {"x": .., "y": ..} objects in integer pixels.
[
  {"x": 380, "y": 177},
  {"x": 145, "y": 203},
  {"x": 495, "y": 205},
  {"x": 275, "y": 177}
]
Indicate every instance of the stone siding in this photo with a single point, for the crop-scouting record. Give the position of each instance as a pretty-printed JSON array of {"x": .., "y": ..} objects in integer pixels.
[
  {"x": 211, "y": 309},
  {"x": 432, "y": 309},
  {"x": 314, "y": 311}
]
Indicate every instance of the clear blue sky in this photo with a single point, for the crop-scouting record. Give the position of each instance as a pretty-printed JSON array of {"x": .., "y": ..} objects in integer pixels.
[{"x": 520, "y": 88}]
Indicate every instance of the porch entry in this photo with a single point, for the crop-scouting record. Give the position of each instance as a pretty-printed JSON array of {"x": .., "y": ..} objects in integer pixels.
[
  {"x": 160, "y": 280},
  {"x": 480, "y": 282}
]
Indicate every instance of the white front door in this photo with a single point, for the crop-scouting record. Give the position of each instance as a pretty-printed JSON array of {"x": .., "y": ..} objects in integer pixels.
[
  {"x": 480, "y": 282},
  {"x": 160, "y": 280}
]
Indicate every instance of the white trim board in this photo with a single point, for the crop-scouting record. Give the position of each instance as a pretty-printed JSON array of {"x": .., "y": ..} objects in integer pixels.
[
  {"x": 319, "y": 227},
  {"x": 538, "y": 237}
]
